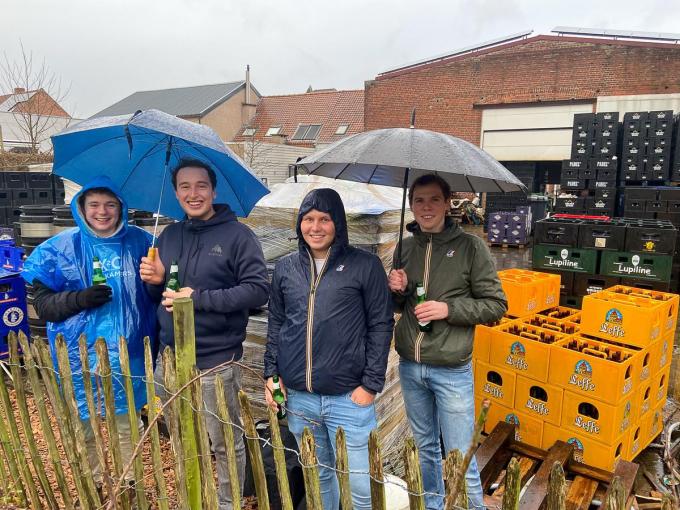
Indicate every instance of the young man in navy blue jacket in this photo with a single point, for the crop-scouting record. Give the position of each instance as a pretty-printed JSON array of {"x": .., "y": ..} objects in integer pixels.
[
  {"x": 330, "y": 327},
  {"x": 222, "y": 269}
]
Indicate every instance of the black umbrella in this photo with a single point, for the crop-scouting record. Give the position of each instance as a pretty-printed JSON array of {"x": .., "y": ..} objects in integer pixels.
[{"x": 398, "y": 156}]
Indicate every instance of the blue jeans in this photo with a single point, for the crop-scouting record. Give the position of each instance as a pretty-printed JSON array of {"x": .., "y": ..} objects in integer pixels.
[
  {"x": 327, "y": 413},
  {"x": 441, "y": 400}
]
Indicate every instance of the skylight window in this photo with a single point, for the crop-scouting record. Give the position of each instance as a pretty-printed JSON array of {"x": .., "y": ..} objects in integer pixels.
[
  {"x": 249, "y": 131},
  {"x": 307, "y": 132},
  {"x": 342, "y": 129},
  {"x": 274, "y": 130}
]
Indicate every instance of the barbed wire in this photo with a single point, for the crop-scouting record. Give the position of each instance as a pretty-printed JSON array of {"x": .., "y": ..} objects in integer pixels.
[{"x": 128, "y": 484}]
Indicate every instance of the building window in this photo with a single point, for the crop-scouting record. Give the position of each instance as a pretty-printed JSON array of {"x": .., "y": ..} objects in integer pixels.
[
  {"x": 307, "y": 132},
  {"x": 249, "y": 131},
  {"x": 274, "y": 130},
  {"x": 342, "y": 129}
]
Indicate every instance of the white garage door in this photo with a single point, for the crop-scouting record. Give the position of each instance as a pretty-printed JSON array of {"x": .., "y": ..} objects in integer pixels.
[{"x": 530, "y": 133}]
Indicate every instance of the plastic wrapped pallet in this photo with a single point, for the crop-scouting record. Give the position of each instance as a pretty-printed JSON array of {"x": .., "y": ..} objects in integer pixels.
[
  {"x": 393, "y": 426},
  {"x": 373, "y": 216}
]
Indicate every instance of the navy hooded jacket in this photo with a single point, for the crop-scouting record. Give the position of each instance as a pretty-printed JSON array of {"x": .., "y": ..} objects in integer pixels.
[
  {"x": 345, "y": 340},
  {"x": 222, "y": 261}
]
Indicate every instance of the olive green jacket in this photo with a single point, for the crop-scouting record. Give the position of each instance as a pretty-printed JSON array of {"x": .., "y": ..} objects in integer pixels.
[{"x": 456, "y": 268}]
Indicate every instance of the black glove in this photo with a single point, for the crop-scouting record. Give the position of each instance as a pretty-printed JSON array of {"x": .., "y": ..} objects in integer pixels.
[{"x": 94, "y": 296}]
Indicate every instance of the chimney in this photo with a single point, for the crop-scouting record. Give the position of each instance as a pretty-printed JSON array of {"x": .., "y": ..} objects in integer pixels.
[
  {"x": 19, "y": 90},
  {"x": 248, "y": 84}
]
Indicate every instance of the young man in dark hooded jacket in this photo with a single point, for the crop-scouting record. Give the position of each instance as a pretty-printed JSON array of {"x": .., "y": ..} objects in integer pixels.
[
  {"x": 222, "y": 269},
  {"x": 330, "y": 326}
]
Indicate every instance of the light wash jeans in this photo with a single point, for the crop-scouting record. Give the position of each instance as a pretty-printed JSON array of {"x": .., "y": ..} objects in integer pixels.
[
  {"x": 441, "y": 400},
  {"x": 327, "y": 413},
  {"x": 231, "y": 380}
]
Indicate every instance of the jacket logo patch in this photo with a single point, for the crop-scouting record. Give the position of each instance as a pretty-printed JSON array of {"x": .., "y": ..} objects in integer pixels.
[
  {"x": 216, "y": 251},
  {"x": 340, "y": 268},
  {"x": 450, "y": 253}
]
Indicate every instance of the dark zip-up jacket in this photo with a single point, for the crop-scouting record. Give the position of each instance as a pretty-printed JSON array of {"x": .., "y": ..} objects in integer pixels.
[
  {"x": 222, "y": 261},
  {"x": 329, "y": 332},
  {"x": 455, "y": 267}
]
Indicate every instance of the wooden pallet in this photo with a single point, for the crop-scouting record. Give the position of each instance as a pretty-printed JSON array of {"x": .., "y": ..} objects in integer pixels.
[{"x": 585, "y": 483}]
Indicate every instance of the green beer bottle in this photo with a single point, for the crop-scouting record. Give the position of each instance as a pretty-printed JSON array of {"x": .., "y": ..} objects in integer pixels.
[
  {"x": 98, "y": 277},
  {"x": 278, "y": 397},
  {"x": 173, "y": 282},
  {"x": 420, "y": 292}
]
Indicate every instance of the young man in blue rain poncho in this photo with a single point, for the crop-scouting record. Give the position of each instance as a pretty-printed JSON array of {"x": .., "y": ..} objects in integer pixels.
[{"x": 61, "y": 272}]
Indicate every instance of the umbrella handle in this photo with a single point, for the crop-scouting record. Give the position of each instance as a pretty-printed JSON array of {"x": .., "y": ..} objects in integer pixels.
[{"x": 151, "y": 254}]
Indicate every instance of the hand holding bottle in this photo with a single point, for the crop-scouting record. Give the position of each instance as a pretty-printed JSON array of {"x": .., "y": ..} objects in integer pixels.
[
  {"x": 275, "y": 394},
  {"x": 94, "y": 297}
]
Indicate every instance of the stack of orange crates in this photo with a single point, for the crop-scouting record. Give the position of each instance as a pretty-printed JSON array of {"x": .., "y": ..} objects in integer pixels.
[{"x": 596, "y": 378}]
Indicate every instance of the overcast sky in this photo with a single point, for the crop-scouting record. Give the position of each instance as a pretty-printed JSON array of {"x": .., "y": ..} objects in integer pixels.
[{"x": 107, "y": 49}]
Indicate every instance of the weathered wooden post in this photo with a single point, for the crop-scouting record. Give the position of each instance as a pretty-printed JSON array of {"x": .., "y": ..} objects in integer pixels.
[
  {"x": 172, "y": 420},
  {"x": 228, "y": 431},
  {"x": 41, "y": 352},
  {"x": 310, "y": 471},
  {"x": 456, "y": 493},
  {"x": 95, "y": 418},
  {"x": 342, "y": 467},
  {"x": 203, "y": 443},
  {"x": 255, "y": 453},
  {"x": 185, "y": 359},
  {"x": 105, "y": 376},
  {"x": 617, "y": 496},
  {"x": 72, "y": 414},
  {"x": 513, "y": 481},
  {"x": 142, "y": 503},
  {"x": 13, "y": 462},
  {"x": 557, "y": 488},
  {"x": 375, "y": 468},
  {"x": 162, "y": 499},
  {"x": 414, "y": 480},
  {"x": 280, "y": 462},
  {"x": 24, "y": 417}
]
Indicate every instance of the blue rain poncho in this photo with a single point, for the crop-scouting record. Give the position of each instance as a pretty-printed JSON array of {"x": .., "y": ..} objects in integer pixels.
[{"x": 64, "y": 262}]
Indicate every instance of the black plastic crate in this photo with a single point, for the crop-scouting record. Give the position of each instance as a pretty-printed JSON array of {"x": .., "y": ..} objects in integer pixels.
[
  {"x": 2, "y": 180},
  {"x": 586, "y": 173},
  {"x": 636, "y": 205},
  {"x": 57, "y": 181},
  {"x": 607, "y": 174},
  {"x": 39, "y": 180},
  {"x": 602, "y": 235},
  {"x": 646, "y": 284},
  {"x": 571, "y": 173},
  {"x": 607, "y": 204},
  {"x": 15, "y": 180},
  {"x": 600, "y": 184},
  {"x": 558, "y": 231},
  {"x": 3, "y": 217},
  {"x": 59, "y": 196},
  {"x": 644, "y": 193},
  {"x": 673, "y": 217},
  {"x": 576, "y": 164},
  {"x": 656, "y": 206},
  {"x": 572, "y": 183},
  {"x": 605, "y": 193},
  {"x": 585, "y": 284},
  {"x": 22, "y": 197},
  {"x": 658, "y": 237},
  {"x": 43, "y": 196},
  {"x": 12, "y": 214},
  {"x": 570, "y": 203},
  {"x": 669, "y": 193}
]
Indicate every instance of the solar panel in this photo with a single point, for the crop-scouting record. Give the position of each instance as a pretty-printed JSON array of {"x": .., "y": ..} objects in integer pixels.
[
  {"x": 627, "y": 34},
  {"x": 467, "y": 49}
]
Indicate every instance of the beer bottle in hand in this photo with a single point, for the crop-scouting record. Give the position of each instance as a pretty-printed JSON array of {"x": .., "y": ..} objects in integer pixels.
[
  {"x": 420, "y": 293},
  {"x": 173, "y": 282},
  {"x": 98, "y": 277},
  {"x": 278, "y": 397}
]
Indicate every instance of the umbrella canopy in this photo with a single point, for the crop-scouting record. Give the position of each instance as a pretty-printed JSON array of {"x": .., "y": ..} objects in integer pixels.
[
  {"x": 382, "y": 156},
  {"x": 136, "y": 152}
]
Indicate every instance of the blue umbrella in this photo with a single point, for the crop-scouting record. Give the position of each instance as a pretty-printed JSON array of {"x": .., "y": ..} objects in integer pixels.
[{"x": 136, "y": 152}]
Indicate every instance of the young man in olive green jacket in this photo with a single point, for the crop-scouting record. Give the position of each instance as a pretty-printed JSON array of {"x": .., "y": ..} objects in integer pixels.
[{"x": 462, "y": 290}]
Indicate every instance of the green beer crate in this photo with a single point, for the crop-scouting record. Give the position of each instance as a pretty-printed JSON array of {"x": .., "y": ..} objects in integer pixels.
[
  {"x": 640, "y": 266},
  {"x": 565, "y": 258}
]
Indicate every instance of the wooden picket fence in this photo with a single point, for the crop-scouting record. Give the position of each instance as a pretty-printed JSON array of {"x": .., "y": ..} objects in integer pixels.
[{"x": 24, "y": 481}]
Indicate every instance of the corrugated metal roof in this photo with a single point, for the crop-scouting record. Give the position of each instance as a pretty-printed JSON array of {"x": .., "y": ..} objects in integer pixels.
[{"x": 184, "y": 101}]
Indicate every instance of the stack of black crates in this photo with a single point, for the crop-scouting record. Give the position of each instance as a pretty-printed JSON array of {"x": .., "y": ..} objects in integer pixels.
[
  {"x": 19, "y": 188},
  {"x": 646, "y": 147},
  {"x": 590, "y": 254},
  {"x": 591, "y": 174}
]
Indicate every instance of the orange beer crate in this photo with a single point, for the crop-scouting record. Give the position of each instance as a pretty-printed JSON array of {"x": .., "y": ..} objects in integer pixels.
[
  {"x": 637, "y": 440},
  {"x": 562, "y": 313},
  {"x": 654, "y": 423},
  {"x": 672, "y": 300},
  {"x": 627, "y": 318},
  {"x": 661, "y": 353},
  {"x": 528, "y": 429},
  {"x": 529, "y": 291},
  {"x": 558, "y": 325},
  {"x": 482, "y": 339},
  {"x": 494, "y": 383},
  {"x": 599, "y": 421},
  {"x": 646, "y": 400},
  {"x": 538, "y": 399},
  {"x": 523, "y": 348},
  {"x": 594, "y": 368},
  {"x": 660, "y": 386},
  {"x": 587, "y": 450}
]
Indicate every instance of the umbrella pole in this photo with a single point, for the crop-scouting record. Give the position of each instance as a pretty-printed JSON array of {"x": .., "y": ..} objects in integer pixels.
[
  {"x": 401, "y": 223},
  {"x": 152, "y": 249}
]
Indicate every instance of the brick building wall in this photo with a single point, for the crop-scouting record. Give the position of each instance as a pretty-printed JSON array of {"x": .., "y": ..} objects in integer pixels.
[{"x": 449, "y": 95}]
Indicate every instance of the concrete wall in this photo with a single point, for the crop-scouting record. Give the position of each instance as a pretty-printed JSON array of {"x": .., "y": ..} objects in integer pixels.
[{"x": 228, "y": 118}]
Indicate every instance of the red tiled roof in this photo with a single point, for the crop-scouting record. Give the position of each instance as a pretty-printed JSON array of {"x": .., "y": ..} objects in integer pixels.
[{"x": 328, "y": 108}]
